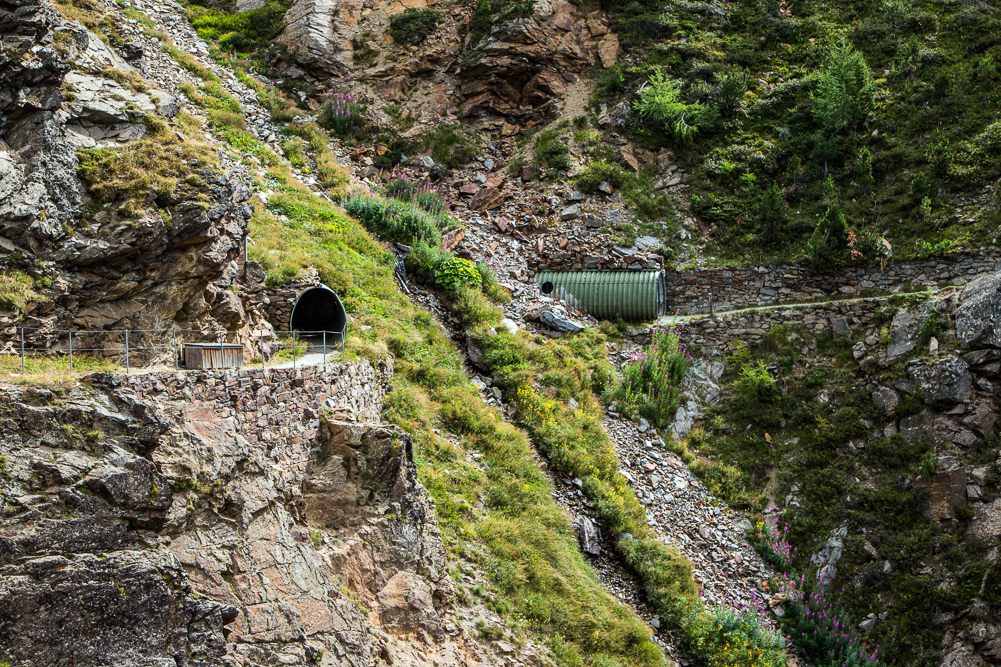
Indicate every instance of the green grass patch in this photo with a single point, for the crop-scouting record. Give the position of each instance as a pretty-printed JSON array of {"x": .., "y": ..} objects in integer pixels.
[
  {"x": 154, "y": 172},
  {"x": 414, "y": 25}
]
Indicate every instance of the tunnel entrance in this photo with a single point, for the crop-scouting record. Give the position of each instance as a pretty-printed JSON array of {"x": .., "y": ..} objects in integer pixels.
[{"x": 318, "y": 309}]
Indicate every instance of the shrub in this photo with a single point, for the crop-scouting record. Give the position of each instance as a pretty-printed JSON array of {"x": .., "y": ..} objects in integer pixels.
[
  {"x": 449, "y": 146},
  {"x": 414, "y": 25},
  {"x": 651, "y": 380},
  {"x": 341, "y": 112},
  {"x": 551, "y": 150},
  {"x": 395, "y": 220},
  {"x": 597, "y": 172},
  {"x": 824, "y": 633},
  {"x": 771, "y": 544},
  {"x": 423, "y": 258},
  {"x": 250, "y": 30},
  {"x": 401, "y": 185},
  {"x": 661, "y": 106},
  {"x": 730, "y": 636},
  {"x": 455, "y": 271},
  {"x": 756, "y": 385}
]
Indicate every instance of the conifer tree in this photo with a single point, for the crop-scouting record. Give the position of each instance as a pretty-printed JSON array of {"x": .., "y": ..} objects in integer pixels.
[{"x": 846, "y": 91}]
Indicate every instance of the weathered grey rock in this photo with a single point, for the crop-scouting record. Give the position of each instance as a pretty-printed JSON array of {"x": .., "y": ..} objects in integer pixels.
[
  {"x": 947, "y": 379},
  {"x": 587, "y": 535},
  {"x": 176, "y": 516},
  {"x": 904, "y": 331},
  {"x": 978, "y": 318},
  {"x": 887, "y": 400}
]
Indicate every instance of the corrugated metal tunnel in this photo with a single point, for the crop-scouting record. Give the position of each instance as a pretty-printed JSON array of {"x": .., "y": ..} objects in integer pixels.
[
  {"x": 609, "y": 295},
  {"x": 318, "y": 309}
]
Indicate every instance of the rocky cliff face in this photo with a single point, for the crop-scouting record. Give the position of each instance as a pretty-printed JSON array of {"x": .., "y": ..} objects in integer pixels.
[
  {"x": 94, "y": 262},
  {"x": 154, "y": 522}
]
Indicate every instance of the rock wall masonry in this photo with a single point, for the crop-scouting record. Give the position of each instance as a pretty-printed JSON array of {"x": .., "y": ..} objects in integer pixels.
[
  {"x": 276, "y": 408},
  {"x": 761, "y": 285}
]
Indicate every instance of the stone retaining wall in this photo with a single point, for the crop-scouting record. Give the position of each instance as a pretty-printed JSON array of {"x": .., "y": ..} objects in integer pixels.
[
  {"x": 277, "y": 305},
  {"x": 754, "y": 286},
  {"x": 719, "y": 333},
  {"x": 277, "y": 409}
]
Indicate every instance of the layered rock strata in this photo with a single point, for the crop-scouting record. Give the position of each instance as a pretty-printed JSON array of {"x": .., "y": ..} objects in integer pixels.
[{"x": 216, "y": 518}]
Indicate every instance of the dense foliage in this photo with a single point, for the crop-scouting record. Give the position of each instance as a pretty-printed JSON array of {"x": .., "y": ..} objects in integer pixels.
[{"x": 802, "y": 122}]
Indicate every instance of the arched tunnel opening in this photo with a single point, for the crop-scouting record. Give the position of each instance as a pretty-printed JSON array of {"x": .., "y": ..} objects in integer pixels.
[{"x": 319, "y": 309}]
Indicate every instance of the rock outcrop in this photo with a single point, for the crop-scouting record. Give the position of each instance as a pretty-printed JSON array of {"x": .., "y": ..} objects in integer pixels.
[
  {"x": 145, "y": 522},
  {"x": 94, "y": 264},
  {"x": 978, "y": 319}
]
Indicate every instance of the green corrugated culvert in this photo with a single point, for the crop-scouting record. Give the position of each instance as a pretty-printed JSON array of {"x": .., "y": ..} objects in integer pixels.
[{"x": 610, "y": 295}]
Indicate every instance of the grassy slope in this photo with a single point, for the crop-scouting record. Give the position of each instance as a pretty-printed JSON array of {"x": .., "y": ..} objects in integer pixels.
[{"x": 924, "y": 55}]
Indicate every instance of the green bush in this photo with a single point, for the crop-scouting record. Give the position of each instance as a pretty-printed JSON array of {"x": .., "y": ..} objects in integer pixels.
[
  {"x": 449, "y": 145},
  {"x": 756, "y": 385},
  {"x": 247, "y": 31},
  {"x": 660, "y": 105},
  {"x": 552, "y": 150},
  {"x": 395, "y": 220},
  {"x": 414, "y": 25},
  {"x": 651, "y": 381},
  {"x": 730, "y": 637},
  {"x": 588, "y": 180},
  {"x": 456, "y": 271}
]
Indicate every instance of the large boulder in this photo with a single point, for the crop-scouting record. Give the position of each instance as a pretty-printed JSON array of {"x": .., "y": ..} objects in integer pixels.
[
  {"x": 905, "y": 331},
  {"x": 978, "y": 318},
  {"x": 947, "y": 379}
]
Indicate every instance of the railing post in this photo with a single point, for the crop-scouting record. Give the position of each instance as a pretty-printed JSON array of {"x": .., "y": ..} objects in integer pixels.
[
  {"x": 126, "y": 351},
  {"x": 173, "y": 342},
  {"x": 22, "y": 349},
  {"x": 71, "y": 350},
  {"x": 264, "y": 364},
  {"x": 324, "y": 348},
  {"x": 344, "y": 335},
  {"x": 293, "y": 349},
  {"x": 222, "y": 353}
]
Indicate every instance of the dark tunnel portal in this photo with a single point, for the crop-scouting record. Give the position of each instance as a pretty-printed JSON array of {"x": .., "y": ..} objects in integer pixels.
[{"x": 318, "y": 309}]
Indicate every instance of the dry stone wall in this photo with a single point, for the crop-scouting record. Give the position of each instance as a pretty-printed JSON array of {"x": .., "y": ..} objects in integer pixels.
[
  {"x": 720, "y": 333},
  {"x": 761, "y": 285}
]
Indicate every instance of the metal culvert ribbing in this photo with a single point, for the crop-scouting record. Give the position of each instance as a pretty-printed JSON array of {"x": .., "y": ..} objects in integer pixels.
[{"x": 609, "y": 295}]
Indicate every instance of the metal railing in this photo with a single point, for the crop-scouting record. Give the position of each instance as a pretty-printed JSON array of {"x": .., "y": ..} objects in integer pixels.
[{"x": 134, "y": 348}]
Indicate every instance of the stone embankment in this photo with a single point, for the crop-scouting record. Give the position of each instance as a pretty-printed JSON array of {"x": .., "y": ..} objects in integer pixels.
[{"x": 733, "y": 288}]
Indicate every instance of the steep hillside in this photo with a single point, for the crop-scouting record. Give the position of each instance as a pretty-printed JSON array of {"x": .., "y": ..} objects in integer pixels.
[{"x": 489, "y": 475}]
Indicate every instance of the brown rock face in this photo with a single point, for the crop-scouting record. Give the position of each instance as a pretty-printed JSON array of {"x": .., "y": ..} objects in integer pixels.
[
  {"x": 519, "y": 68},
  {"x": 946, "y": 490},
  {"x": 196, "y": 526}
]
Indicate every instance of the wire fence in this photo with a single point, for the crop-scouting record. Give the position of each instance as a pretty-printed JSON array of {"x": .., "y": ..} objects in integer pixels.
[{"x": 79, "y": 349}]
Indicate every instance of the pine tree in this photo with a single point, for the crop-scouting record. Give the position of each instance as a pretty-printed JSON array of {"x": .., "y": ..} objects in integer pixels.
[
  {"x": 828, "y": 245},
  {"x": 773, "y": 216},
  {"x": 846, "y": 91}
]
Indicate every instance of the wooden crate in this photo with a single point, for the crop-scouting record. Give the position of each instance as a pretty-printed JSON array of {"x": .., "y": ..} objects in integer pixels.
[{"x": 212, "y": 355}]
